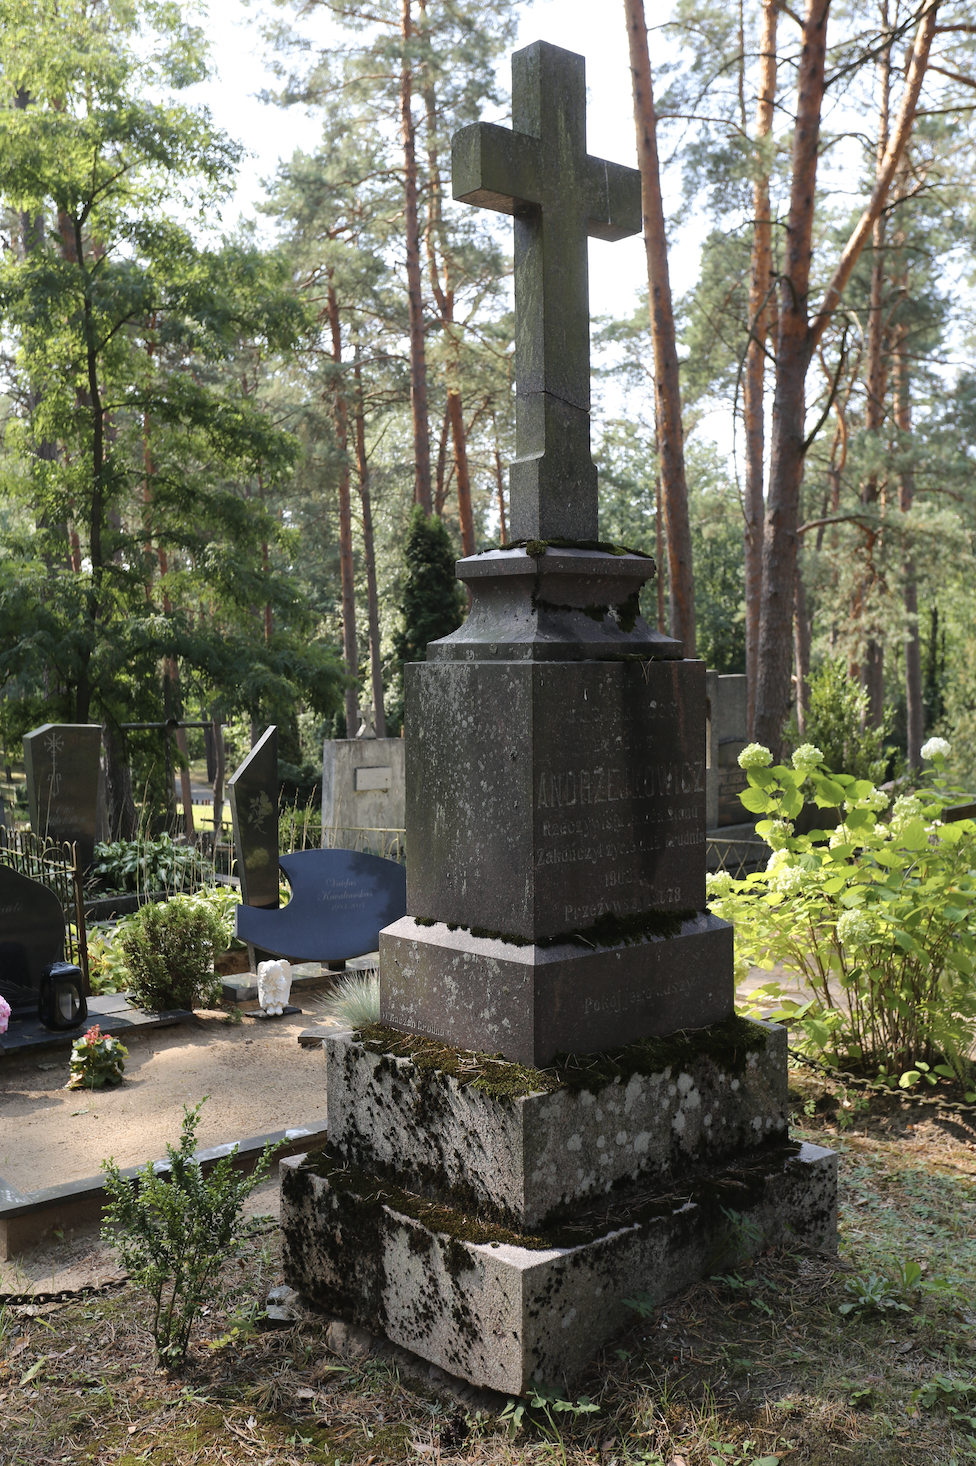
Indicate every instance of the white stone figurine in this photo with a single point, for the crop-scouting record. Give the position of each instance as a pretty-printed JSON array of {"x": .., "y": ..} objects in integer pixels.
[{"x": 274, "y": 985}]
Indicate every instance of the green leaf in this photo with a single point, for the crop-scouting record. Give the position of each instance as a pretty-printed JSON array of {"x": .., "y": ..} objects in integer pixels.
[
  {"x": 909, "y": 1078},
  {"x": 829, "y": 792},
  {"x": 756, "y": 801},
  {"x": 791, "y": 803}
]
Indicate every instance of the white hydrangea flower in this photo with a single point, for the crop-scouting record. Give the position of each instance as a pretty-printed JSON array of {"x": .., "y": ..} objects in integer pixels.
[
  {"x": 755, "y": 756},
  {"x": 777, "y": 835},
  {"x": 876, "y": 800},
  {"x": 906, "y": 807},
  {"x": 787, "y": 880},
  {"x": 807, "y": 757},
  {"x": 845, "y": 836},
  {"x": 718, "y": 883},
  {"x": 936, "y": 748},
  {"x": 776, "y": 860},
  {"x": 854, "y": 929}
]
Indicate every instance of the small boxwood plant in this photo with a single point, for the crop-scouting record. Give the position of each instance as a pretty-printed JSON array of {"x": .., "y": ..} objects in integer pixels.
[
  {"x": 169, "y": 949},
  {"x": 175, "y": 1227}
]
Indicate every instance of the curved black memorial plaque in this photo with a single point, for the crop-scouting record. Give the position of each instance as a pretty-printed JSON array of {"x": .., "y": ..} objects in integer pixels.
[
  {"x": 31, "y": 936},
  {"x": 340, "y": 902}
]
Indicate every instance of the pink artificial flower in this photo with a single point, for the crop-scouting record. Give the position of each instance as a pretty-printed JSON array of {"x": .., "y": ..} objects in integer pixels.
[{"x": 4, "y": 1014}]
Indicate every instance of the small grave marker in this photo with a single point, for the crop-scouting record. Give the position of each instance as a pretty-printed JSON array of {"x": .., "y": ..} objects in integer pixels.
[{"x": 62, "y": 763}]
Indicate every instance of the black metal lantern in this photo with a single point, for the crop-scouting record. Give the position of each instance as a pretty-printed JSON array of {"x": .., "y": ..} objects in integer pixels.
[{"x": 62, "y": 1003}]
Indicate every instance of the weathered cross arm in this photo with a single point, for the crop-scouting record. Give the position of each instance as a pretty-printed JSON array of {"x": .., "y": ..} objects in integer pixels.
[{"x": 495, "y": 168}]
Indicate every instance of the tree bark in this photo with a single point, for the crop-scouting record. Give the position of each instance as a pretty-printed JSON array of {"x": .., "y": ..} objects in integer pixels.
[
  {"x": 801, "y": 652},
  {"x": 914, "y": 700},
  {"x": 798, "y": 339},
  {"x": 369, "y": 555},
  {"x": 666, "y": 378},
  {"x": 794, "y": 350},
  {"x": 122, "y": 821},
  {"x": 418, "y": 364},
  {"x": 220, "y": 766},
  {"x": 350, "y": 651},
  {"x": 461, "y": 470},
  {"x": 499, "y": 486},
  {"x": 876, "y": 386},
  {"x": 753, "y": 412}
]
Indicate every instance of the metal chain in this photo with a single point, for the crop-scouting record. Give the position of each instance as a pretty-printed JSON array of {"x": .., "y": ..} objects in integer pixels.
[{"x": 880, "y": 1086}]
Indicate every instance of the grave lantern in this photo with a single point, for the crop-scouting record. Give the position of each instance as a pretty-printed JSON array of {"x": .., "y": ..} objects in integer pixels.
[{"x": 62, "y": 1001}]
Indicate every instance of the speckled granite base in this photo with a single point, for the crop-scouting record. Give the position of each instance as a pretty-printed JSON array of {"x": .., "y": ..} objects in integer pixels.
[
  {"x": 500, "y": 1312},
  {"x": 529, "y": 1160}
]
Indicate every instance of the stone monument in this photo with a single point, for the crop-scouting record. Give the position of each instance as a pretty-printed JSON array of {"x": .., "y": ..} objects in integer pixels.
[
  {"x": 62, "y": 764},
  {"x": 558, "y": 1108},
  {"x": 362, "y": 788},
  {"x": 253, "y": 792}
]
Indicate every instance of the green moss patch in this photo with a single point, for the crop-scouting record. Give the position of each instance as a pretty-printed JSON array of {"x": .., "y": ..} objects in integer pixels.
[
  {"x": 537, "y": 548},
  {"x": 724, "y": 1044},
  {"x": 609, "y": 930},
  {"x": 737, "y": 1187}
]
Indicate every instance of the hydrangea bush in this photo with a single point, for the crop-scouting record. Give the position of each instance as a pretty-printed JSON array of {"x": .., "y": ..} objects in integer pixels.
[{"x": 875, "y": 918}]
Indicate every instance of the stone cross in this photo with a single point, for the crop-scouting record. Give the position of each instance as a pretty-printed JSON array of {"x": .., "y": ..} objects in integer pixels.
[{"x": 541, "y": 173}]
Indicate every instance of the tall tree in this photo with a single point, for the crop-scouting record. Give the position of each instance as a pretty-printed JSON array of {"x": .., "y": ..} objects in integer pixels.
[{"x": 670, "y": 429}]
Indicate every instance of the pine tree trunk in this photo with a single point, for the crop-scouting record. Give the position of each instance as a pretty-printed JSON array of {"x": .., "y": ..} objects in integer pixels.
[
  {"x": 760, "y": 286},
  {"x": 876, "y": 384},
  {"x": 798, "y": 339},
  {"x": 461, "y": 469},
  {"x": 122, "y": 821},
  {"x": 915, "y": 703},
  {"x": 794, "y": 350},
  {"x": 801, "y": 652},
  {"x": 369, "y": 555},
  {"x": 220, "y": 766},
  {"x": 418, "y": 364},
  {"x": 499, "y": 486},
  {"x": 666, "y": 378},
  {"x": 350, "y": 651}
]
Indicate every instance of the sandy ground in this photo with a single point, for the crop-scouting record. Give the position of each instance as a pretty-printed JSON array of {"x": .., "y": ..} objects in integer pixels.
[{"x": 257, "y": 1075}]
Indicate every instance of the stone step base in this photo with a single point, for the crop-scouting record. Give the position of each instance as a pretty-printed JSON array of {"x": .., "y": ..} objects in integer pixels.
[{"x": 499, "y": 1310}]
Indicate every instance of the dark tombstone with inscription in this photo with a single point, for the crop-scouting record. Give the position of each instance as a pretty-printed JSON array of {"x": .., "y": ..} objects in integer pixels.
[
  {"x": 555, "y": 769},
  {"x": 253, "y": 792},
  {"x": 340, "y": 900},
  {"x": 31, "y": 936},
  {"x": 62, "y": 764}
]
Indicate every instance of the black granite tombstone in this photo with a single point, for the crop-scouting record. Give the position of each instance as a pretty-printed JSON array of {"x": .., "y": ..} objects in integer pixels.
[
  {"x": 31, "y": 936},
  {"x": 253, "y": 792},
  {"x": 340, "y": 900},
  {"x": 62, "y": 763}
]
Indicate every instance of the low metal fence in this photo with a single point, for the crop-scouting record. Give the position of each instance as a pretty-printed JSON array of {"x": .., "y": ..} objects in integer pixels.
[
  {"x": 738, "y": 857},
  {"x": 53, "y": 863}
]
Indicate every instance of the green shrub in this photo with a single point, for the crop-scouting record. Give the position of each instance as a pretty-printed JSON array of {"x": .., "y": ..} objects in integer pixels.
[
  {"x": 175, "y": 1231},
  {"x": 835, "y": 723},
  {"x": 96, "y": 1059},
  {"x": 877, "y": 919},
  {"x": 169, "y": 949}
]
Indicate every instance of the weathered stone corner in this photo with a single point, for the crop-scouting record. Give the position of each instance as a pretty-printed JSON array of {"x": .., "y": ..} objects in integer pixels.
[{"x": 502, "y": 1311}]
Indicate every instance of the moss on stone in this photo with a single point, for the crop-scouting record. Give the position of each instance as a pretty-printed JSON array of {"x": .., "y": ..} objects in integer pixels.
[
  {"x": 732, "y": 1191},
  {"x": 537, "y": 548},
  {"x": 725, "y": 1044},
  {"x": 609, "y": 930}
]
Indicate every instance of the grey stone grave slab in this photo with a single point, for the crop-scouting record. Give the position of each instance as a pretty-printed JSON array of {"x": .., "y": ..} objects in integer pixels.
[
  {"x": 31, "y": 936},
  {"x": 253, "y": 792},
  {"x": 340, "y": 901},
  {"x": 62, "y": 764}
]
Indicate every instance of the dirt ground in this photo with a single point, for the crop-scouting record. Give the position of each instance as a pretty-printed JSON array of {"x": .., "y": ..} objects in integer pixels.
[{"x": 258, "y": 1077}]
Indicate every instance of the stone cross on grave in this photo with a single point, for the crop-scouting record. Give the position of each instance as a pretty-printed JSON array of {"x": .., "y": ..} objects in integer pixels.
[{"x": 541, "y": 173}]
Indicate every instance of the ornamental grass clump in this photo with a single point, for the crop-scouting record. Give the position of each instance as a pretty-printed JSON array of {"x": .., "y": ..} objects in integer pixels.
[
  {"x": 174, "y": 1228},
  {"x": 876, "y": 918},
  {"x": 169, "y": 949}
]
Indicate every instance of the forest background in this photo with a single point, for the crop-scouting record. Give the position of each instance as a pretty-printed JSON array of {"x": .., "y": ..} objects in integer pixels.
[{"x": 237, "y": 466}]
